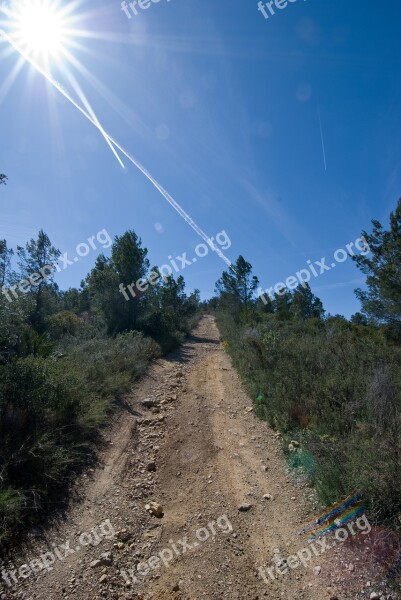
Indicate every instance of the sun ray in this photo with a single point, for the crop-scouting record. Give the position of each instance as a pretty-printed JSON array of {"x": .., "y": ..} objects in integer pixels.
[
  {"x": 40, "y": 29},
  {"x": 46, "y": 73},
  {"x": 11, "y": 77},
  {"x": 41, "y": 52}
]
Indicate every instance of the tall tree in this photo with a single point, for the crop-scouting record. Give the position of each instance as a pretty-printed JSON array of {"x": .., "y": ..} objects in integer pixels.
[
  {"x": 382, "y": 300},
  {"x": 36, "y": 262},
  {"x": 172, "y": 295},
  {"x": 238, "y": 283},
  {"x": 6, "y": 255},
  {"x": 36, "y": 257},
  {"x": 112, "y": 283},
  {"x": 102, "y": 286},
  {"x": 165, "y": 313},
  {"x": 282, "y": 305},
  {"x": 305, "y": 304},
  {"x": 129, "y": 257}
]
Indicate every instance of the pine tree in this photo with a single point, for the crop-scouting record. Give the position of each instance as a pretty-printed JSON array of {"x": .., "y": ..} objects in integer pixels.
[
  {"x": 382, "y": 266},
  {"x": 305, "y": 305},
  {"x": 112, "y": 283},
  {"x": 238, "y": 283},
  {"x": 6, "y": 255},
  {"x": 37, "y": 265}
]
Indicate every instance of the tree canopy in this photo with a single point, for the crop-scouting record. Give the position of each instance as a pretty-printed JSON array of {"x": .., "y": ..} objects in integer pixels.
[
  {"x": 237, "y": 286},
  {"x": 381, "y": 302}
]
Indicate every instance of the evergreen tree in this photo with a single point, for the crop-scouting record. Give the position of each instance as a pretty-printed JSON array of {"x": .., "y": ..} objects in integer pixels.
[
  {"x": 282, "y": 305},
  {"x": 112, "y": 283},
  {"x": 305, "y": 305},
  {"x": 37, "y": 266},
  {"x": 38, "y": 256},
  {"x": 267, "y": 306},
  {"x": 237, "y": 286},
  {"x": 105, "y": 299},
  {"x": 6, "y": 254},
  {"x": 359, "y": 319},
  {"x": 382, "y": 300},
  {"x": 130, "y": 263}
]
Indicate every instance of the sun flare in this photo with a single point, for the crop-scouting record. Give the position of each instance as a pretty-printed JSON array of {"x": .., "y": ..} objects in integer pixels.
[
  {"x": 39, "y": 28},
  {"x": 44, "y": 33}
]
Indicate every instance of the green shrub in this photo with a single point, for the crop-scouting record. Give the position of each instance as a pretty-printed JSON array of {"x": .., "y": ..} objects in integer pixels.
[
  {"x": 51, "y": 411},
  {"x": 337, "y": 387},
  {"x": 63, "y": 323},
  {"x": 12, "y": 509}
]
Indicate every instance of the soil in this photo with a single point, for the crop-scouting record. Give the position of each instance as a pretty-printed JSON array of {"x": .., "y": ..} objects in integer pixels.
[{"x": 230, "y": 506}]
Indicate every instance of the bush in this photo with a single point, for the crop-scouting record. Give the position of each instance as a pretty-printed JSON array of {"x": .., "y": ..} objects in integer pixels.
[
  {"x": 335, "y": 385},
  {"x": 50, "y": 414},
  {"x": 63, "y": 323}
]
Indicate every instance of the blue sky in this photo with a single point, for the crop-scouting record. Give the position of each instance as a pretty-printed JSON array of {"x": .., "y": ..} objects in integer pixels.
[{"x": 222, "y": 106}]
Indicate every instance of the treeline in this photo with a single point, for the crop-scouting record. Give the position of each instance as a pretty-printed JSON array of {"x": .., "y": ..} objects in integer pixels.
[
  {"x": 332, "y": 384},
  {"x": 66, "y": 358}
]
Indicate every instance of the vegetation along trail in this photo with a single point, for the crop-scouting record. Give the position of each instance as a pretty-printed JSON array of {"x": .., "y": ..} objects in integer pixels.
[{"x": 191, "y": 498}]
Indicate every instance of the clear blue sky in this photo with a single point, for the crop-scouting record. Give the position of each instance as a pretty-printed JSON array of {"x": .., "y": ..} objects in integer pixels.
[{"x": 222, "y": 106}]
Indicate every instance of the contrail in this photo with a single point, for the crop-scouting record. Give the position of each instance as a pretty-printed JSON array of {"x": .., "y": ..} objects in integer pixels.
[
  {"x": 108, "y": 137},
  {"x": 321, "y": 135},
  {"x": 88, "y": 107}
]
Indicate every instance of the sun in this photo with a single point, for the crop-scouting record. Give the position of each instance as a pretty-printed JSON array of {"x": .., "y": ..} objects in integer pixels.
[{"x": 39, "y": 28}]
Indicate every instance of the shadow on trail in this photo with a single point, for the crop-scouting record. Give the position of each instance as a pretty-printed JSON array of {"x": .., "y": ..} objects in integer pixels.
[{"x": 186, "y": 352}]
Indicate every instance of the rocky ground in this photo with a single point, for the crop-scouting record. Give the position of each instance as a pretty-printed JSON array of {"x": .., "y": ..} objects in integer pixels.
[{"x": 192, "y": 500}]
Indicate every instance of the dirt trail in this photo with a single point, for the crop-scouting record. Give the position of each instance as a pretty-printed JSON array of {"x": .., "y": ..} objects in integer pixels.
[{"x": 201, "y": 453}]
